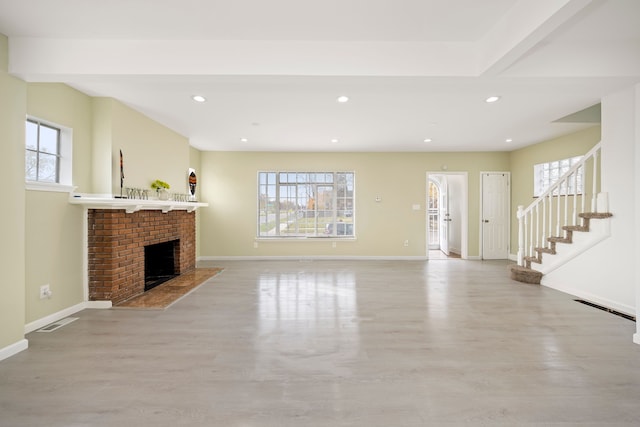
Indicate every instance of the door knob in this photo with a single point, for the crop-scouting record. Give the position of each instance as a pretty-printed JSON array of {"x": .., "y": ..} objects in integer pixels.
[{"x": 486, "y": 220}]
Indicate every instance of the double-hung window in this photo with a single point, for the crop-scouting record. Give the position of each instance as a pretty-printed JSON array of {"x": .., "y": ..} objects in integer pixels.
[
  {"x": 48, "y": 156},
  {"x": 306, "y": 204},
  {"x": 42, "y": 162}
]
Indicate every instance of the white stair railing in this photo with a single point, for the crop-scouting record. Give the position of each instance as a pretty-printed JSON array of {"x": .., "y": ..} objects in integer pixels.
[{"x": 546, "y": 216}]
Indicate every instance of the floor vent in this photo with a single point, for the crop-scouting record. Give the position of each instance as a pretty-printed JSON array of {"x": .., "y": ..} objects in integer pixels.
[
  {"x": 57, "y": 325},
  {"x": 599, "y": 307}
]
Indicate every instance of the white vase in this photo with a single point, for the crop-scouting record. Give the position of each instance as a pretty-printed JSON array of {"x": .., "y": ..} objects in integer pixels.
[{"x": 163, "y": 194}]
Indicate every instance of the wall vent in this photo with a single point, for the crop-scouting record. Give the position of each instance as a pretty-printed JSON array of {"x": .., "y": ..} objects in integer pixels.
[
  {"x": 609, "y": 310},
  {"x": 57, "y": 325}
]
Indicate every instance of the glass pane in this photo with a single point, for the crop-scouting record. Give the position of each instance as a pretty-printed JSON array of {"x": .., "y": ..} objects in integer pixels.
[
  {"x": 32, "y": 136},
  {"x": 31, "y": 166},
  {"x": 48, "y": 140},
  {"x": 47, "y": 168}
]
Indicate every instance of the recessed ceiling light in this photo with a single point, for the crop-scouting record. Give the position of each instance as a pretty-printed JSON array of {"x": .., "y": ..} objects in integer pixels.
[
  {"x": 492, "y": 99},
  {"x": 428, "y": 140},
  {"x": 508, "y": 140},
  {"x": 342, "y": 99},
  {"x": 334, "y": 140},
  {"x": 244, "y": 140},
  {"x": 199, "y": 98}
]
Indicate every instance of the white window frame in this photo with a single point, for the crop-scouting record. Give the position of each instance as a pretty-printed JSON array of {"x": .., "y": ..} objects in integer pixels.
[
  {"x": 546, "y": 174},
  {"x": 64, "y": 159},
  {"x": 293, "y": 199}
]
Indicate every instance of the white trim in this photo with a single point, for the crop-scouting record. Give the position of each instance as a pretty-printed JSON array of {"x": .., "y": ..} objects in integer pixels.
[
  {"x": 622, "y": 308},
  {"x": 481, "y": 213},
  {"x": 464, "y": 226},
  {"x": 636, "y": 338},
  {"x": 48, "y": 186},
  {"x": 37, "y": 324},
  {"x": 312, "y": 258},
  {"x": 513, "y": 257},
  {"x": 100, "y": 305},
  {"x": 97, "y": 201},
  {"x": 13, "y": 349},
  {"x": 85, "y": 254},
  {"x": 474, "y": 258}
]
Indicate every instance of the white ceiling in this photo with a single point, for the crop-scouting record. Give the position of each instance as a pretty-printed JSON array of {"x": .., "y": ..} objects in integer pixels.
[{"x": 271, "y": 71}]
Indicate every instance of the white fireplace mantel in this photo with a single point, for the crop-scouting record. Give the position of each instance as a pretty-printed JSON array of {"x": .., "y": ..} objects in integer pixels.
[{"x": 97, "y": 201}]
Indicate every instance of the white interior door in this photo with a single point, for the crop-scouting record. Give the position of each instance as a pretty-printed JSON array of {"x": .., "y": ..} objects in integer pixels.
[
  {"x": 495, "y": 215},
  {"x": 444, "y": 216}
]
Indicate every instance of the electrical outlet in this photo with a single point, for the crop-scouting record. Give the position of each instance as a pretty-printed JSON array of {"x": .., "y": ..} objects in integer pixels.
[
  {"x": 334, "y": 244},
  {"x": 255, "y": 245},
  {"x": 45, "y": 292},
  {"x": 406, "y": 243}
]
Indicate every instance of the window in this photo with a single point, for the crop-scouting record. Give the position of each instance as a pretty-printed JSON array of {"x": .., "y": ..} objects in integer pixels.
[
  {"x": 47, "y": 154},
  {"x": 43, "y": 152},
  {"x": 306, "y": 204},
  {"x": 547, "y": 174}
]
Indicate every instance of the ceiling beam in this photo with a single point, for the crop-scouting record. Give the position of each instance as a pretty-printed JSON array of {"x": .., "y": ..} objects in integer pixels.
[{"x": 526, "y": 25}]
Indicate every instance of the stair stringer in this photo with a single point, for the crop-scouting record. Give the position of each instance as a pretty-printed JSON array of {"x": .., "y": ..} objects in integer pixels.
[{"x": 582, "y": 241}]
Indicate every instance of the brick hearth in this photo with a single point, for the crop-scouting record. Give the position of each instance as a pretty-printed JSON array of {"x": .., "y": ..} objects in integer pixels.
[{"x": 116, "y": 248}]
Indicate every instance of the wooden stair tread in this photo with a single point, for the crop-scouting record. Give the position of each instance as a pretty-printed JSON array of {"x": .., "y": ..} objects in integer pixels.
[
  {"x": 545, "y": 250},
  {"x": 559, "y": 240},
  {"x": 525, "y": 275},
  {"x": 575, "y": 228},
  {"x": 599, "y": 215}
]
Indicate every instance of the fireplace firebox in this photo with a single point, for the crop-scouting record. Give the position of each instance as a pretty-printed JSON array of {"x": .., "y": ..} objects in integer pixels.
[{"x": 159, "y": 263}]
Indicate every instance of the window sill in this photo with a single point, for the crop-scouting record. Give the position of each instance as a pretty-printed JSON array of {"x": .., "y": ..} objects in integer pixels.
[{"x": 48, "y": 186}]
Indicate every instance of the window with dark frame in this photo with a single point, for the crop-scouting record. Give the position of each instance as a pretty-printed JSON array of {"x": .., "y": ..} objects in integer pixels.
[
  {"x": 42, "y": 157},
  {"x": 306, "y": 204}
]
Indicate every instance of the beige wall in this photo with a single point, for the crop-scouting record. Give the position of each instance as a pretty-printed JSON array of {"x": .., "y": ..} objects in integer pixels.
[
  {"x": 150, "y": 150},
  {"x": 53, "y": 236},
  {"x": 62, "y": 105},
  {"x": 54, "y": 233},
  {"x": 101, "y": 160},
  {"x": 13, "y": 108},
  {"x": 195, "y": 162},
  {"x": 228, "y": 225},
  {"x": 523, "y": 160}
]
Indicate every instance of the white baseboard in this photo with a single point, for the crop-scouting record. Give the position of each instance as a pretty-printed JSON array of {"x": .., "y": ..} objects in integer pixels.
[
  {"x": 312, "y": 258},
  {"x": 622, "y": 308},
  {"x": 636, "y": 338},
  {"x": 37, "y": 324},
  {"x": 474, "y": 258},
  {"x": 513, "y": 257},
  {"x": 98, "y": 304},
  {"x": 13, "y": 349}
]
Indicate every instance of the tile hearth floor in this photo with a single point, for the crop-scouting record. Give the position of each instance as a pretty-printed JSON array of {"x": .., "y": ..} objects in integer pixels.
[
  {"x": 169, "y": 292},
  {"x": 366, "y": 343}
]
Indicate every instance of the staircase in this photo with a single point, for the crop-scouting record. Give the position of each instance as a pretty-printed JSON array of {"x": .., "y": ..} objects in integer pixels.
[{"x": 548, "y": 229}]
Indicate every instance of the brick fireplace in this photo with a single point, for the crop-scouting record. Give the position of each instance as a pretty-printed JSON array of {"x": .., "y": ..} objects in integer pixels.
[{"x": 116, "y": 242}]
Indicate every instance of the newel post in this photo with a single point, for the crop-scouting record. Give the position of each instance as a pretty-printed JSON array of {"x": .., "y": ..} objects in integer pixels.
[{"x": 520, "y": 235}]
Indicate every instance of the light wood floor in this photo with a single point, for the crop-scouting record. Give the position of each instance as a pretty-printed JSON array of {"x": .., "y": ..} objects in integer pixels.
[{"x": 328, "y": 343}]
